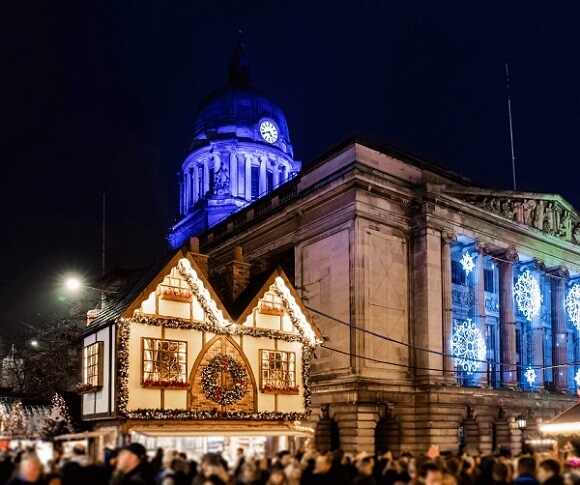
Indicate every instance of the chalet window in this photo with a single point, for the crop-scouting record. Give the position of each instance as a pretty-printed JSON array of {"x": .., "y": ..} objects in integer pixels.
[
  {"x": 278, "y": 373},
  {"x": 164, "y": 362},
  {"x": 93, "y": 365}
]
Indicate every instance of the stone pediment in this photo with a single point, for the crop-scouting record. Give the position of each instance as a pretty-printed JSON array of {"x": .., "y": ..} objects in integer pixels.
[{"x": 545, "y": 212}]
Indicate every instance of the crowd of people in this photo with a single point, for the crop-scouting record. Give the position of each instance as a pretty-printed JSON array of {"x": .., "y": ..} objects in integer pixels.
[{"x": 133, "y": 465}]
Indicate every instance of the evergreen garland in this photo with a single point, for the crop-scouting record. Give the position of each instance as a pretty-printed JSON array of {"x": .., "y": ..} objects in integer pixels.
[{"x": 221, "y": 363}]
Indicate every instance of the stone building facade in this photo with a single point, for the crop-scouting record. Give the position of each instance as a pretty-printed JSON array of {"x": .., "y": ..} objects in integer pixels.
[{"x": 449, "y": 310}]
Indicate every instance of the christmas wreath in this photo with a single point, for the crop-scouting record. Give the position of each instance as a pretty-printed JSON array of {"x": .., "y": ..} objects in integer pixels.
[{"x": 222, "y": 363}]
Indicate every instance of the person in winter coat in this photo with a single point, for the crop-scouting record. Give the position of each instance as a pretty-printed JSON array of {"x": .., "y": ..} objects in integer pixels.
[
  {"x": 29, "y": 471},
  {"x": 526, "y": 471},
  {"x": 549, "y": 472},
  {"x": 133, "y": 467},
  {"x": 365, "y": 472}
]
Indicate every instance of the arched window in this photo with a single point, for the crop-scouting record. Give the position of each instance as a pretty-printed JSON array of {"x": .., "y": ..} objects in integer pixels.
[
  {"x": 387, "y": 435},
  {"x": 327, "y": 435}
]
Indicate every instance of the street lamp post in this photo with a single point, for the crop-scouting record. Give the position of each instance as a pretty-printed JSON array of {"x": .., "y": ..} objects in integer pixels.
[
  {"x": 522, "y": 424},
  {"x": 74, "y": 284}
]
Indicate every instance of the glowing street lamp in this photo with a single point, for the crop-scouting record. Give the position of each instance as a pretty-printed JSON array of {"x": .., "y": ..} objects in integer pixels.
[{"x": 74, "y": 284}]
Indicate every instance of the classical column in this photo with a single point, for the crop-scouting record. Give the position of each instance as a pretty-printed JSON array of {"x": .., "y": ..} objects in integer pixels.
[
  {"x": 217, "y": 162},
  {"x": 182, "y": 189},
  {"x": 479, "y": 306},
  {"x": 263, "y": 186},
  {"x": 428, "y": 302},
  {"x": 205, "y": 177},
  {"x": 234, "y": 174},
  {"x": 507, "y": 320},
  {"x": 275, "y": 175},
  {"x": 248, "y": 177},
  {"x": 537, "y": 353},
  {"x": 285, "y": 171},
  {"x": 186, "y": 191},
  {"x": 558, "y": 278},
  {"x": 194, "y": 184},
  {"x": 446, "y": 240}
]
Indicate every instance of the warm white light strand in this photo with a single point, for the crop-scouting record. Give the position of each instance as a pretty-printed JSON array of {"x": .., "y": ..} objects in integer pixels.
[
  {"x": 295, "y": 312},
  {"x": 197, "y": 286}
]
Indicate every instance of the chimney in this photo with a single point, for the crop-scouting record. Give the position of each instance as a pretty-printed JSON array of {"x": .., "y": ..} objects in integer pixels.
[
  {"x": 200, "y": 259},
  {"x": 237, "y": 274}
]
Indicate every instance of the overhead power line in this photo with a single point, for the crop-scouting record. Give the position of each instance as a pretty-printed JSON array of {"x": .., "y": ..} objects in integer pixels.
[{"x": 511, "y": 367}]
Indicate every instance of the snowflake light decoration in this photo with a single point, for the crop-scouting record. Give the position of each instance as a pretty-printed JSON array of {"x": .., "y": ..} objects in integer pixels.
[
  {"x": 468, "y": 346},
  {"x": 528, "y": 295},
  {"x": 577, "y": 378},
  {"x": 573, "y": 305},
  {"x": 531, "y": 376},
  {"x": 467, "y": 263}
]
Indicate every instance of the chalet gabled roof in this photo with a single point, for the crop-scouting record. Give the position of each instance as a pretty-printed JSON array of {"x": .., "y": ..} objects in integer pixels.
[
  {"x": 129, "y": 297},
  {"x": 249, "y": 299},
  {"x": 282, "y": 287},
  {"x": 116, "y": 304}
]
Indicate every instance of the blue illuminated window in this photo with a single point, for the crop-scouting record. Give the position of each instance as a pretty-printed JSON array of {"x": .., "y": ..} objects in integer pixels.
[
  {"x": 458, "y": 276},
  {"x": 255, "y": 182},
  {"x": 270, "y": 180},
  {"x": 488, "y": 281}
]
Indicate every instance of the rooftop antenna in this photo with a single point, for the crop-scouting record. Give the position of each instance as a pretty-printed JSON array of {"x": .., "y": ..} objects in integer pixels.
[{"x": 509, "y": 101}]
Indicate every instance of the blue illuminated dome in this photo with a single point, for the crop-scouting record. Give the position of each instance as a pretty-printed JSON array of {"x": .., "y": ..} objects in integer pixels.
[
  {"x": 237, "y": 108},
  {"x": 240, "y": 152}
]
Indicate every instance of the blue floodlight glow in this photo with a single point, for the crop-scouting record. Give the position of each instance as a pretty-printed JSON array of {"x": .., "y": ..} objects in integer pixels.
[
  {"x": 467, "y": 263},
  {"x": 577, "y": 378},
  {"x": 531, "y": 376},
  {"x": 528, "y": 295},
  {"x": 573, "y": 305},
  {"x": 468, "y": 346}
]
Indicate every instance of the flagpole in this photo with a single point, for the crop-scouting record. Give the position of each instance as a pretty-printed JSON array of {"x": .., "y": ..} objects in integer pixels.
[
  {"x": 509, "y": 101},
  {"x": 103, "y": 257}
]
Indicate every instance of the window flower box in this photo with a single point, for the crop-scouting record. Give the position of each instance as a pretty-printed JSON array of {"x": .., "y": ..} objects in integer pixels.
[
  {"x": 271, "y": 308},
  {"x": 165, "y": 384},
  {"x": 175, "y": 293},
  {"x": 280, "y": 390},
  {"x": 86, "y": 388}
]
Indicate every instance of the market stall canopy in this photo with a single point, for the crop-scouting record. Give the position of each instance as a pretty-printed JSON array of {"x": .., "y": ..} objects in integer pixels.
[
  {"x": 218, "y": 429},
  {"x": 566, "y": 423},
  {"x": 82, "y": 436}
]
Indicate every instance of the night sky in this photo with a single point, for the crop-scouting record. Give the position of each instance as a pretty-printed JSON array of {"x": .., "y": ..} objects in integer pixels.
[{"x": 99, "y": 97}]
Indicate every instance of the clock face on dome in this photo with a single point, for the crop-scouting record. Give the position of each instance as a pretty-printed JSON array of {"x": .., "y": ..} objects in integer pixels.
[{"x": 269, "y": 131}]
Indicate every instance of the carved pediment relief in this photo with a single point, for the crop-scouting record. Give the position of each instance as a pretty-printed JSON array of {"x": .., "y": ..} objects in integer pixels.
[{"x": 549, "y": 214}]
